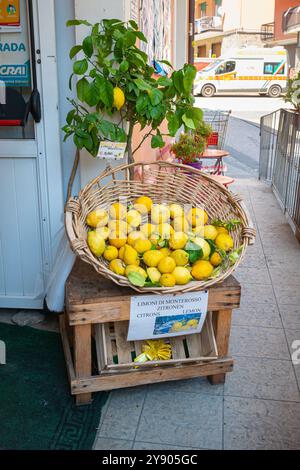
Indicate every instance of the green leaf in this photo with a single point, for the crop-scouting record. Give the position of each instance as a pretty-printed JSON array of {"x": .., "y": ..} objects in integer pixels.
[
  {"x": 194, "y": 251},
  {"x": 142, "y": 85},
  {"x": 136, "y": 279},
  {"x": 70, "y": 81},
  {"x": 141, "y": 36},
  {"x": 78, "y": 142},
  {"x": 142, "y": 103},
  {"x": 81, "y": 87},
  {"x": 77, "y": 23},
  {"x": 133, "y": 24},
  {"x": 188, "y": 122},
  {"x": 177, "y": 78},
  {"x": 156, "y": 96},
  {"x": 129, "y": 39},
  {"x": 157, "y": 141},
  {"x": 212, "y": 246},
  {"x": 164, "y": 81},
  {"x": 74, "y": 51},
  {"x": 80, "y": 66},
  {"x": 106, "y": 91},
  {"x": 157, "y": 112},
  {"x": 189, "y": 77},
  {"x": 87, "y": 46},
  {"x": 167, "y": 63},
  {"x": 124, "y": 66},
  {"x": 70, "y": 116},
  {"x": 92, "y": 94},
  {"x": 173, "y": 124}
]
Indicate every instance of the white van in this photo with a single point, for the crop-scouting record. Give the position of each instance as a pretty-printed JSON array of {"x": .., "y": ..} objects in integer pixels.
[{"x": 251, "y": 69}]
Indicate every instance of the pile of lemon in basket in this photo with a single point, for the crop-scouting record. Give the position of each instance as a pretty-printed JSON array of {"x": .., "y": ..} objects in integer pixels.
[{"x": 161, "y": 244}]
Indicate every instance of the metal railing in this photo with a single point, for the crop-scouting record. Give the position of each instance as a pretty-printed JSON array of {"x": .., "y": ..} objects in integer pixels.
[
  {"x": 280, "y": 160},
  {"x": 208, "y": 23},
  {"x": 267, "y": 32}
]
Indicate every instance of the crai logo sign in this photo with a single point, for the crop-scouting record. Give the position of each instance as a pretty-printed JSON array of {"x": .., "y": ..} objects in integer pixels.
[
  {"x": 14, "y": 70},
  {"x": 2, "y": 352}
]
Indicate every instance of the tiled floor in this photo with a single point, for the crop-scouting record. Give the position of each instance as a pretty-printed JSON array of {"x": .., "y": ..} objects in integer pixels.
[{"x": 259, "y": 405}]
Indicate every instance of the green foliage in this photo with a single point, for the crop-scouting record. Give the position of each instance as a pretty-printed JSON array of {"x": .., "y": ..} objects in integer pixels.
[
  {"x": 188, "y": 148},
  {"x": 293, "y": 92},
  {"x": 194, "y": 251},
  {"x": 107, "y": 58}
]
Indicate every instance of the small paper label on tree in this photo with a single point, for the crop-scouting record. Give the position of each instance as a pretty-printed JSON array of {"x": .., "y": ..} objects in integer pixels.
[
  {"x": 112, "y": 150},
  {"x": 163, "y": 316}
]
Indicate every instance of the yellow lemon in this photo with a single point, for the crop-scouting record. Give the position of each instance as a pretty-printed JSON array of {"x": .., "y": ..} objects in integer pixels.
[
  {"x": 148, "y": 229},
  {"x": 166, "y": 265},
  {"x": 182, "y": 275},
  {"x": 154, "y": 239},
  {"x": 204, "y": 245},
  {"x": 118, "y": 226},
  {"x": 134, "y": 236},
  {"x": 160, "y": 214},
  {"x": 198, "y": 231},
  {"x": 176, "y": 211},
  {"x": 224, "y": 242},
  {"x": 202, "y": 270},
  {"x": 96, "y": 243},
  {"x": 215, "y": 259},
  {"x": 192, "y": 323},
  {"x": 110, "y": 253},
  {"x": 121, "y": 252},
  {"x": 165, "y": 231},
  {"x": 117, "y": 211},
  {"x": 117, "y": 266},
  {"x": 154, "y": 275},
  {"x": 135, "y": 269},
  {"x": 117, "y": 239},
  {"x": 181, "y": 224},
  {"x": 130, "y": 256},
  {"x": 197, "y": 216},
  {"x": 222, "y": 230},
  {"x": 97, "y": 218},
  {"x": 152, "y": 258},
  {"x": 142, "y": 245},
  {"x": 165, "y": 251},
  {"x": 143, "y": 204},
  {"x": 210, "y": 232},
  {"x": 180, "y": 257},
  {"x": 103, "y": 232},
  {"x": 119, "y": 98},
  {"x": 167, "y": 280},
  {"x": 177, "y": 326},
  {"x": 178, "y": 240},
  {"x": 133, "y": 218}
]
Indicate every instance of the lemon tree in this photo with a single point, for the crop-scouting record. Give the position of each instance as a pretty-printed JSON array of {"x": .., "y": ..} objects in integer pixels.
[{"x": 114, "y": 76}]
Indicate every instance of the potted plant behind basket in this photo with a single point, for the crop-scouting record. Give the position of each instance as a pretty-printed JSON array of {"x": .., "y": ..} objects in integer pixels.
[{"x": 190, "y": 146}]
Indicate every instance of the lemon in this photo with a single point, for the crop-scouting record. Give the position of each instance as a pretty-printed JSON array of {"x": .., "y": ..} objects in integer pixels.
[
  {"x": 133, "y": 218},
  {"x": 117, "y": 266},
  {"x": 143, "y": 204},
  {"x": 97, "y": 218},
  {"x": 165, "y": 252},
  {"x": 178, "y": 240},
  {"x": 224, "y": 242},
  {"x": 130, "y": 256},
  {"x": 197, "y": 216},
  {"x": 154, "y": 239},
  {"x": 210, "y": 232},
  {"x": 142, "y": 245},
  {"x": 222, "y": 230},
  {"x": 175, "y": 211},
  {"x": 117, "y": 239},
  {"x": 134, "y": 236},
  {"x": 182, "y": 275},
  {"x": 118, "y": 226},
  {"x": 166, "y": 265},
  {"x": 167, "y": 280},
  {"x": 181, "y": 224},
  {"x": 177, "y": 326},
  {"x": 160, "y": 214},
  {"x": 148, "y": 229},
  {"x": 117, "y": 211},
  {"x": 110, "y": 253},
  {"x": 96, "y": 243},
  {"x": 204, "y": 245},
  {"x": 119, "y": 98},
  {"x": 202, "y": 270},
  {"x": 121, "y": 252},
  {"x": 180, "y": 257},
  {"x": 154, "y": 275},
  {"x": 193, "y": 323},
  {"x": 165, "y": 230},
  {"x": 131, "y": 268},
  {"x": 103, "y": 232},
  {"x": 152, "y": 258},
  {"x": 198, "y": 231},
  {"x": 216, "y": 259}
]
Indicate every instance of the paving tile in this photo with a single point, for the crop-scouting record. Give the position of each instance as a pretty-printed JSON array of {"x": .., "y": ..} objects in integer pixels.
[
  {"x": 262, "y": 378},
  {"x": 263, "y": 294},
  {"x": 138, "y": 445},
  {"x": 183, "y": 419},
  {"x": 290, "y": 315},
  {"x": 198, "y": 385},
  {"x": 287, "y": 294},
  {"x": 266, "y": 315},
  {"x": 251, "y": 424},
  {"x": 292, "y": 336},
  {"x": 253, "y": 261},
  {"x": 287, "y": 276},
  {"x": 123, "y": 413},
  {"x": 259, "y": 275},
  {"x": 258, "y": 342},
  {"x": 106, "y": 443}
]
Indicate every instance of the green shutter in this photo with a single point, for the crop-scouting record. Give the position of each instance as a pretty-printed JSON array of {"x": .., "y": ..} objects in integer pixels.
[
  {"x": 218, "y": 2},
  {"x": 203, "y": 6}
]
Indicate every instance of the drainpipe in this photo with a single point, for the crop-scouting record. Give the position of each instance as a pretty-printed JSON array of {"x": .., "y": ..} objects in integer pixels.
[{"x": 191, "y": 31}]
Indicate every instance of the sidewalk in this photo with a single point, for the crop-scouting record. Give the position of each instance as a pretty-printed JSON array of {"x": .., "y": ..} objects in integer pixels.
[{"x": 259, "y": 406}]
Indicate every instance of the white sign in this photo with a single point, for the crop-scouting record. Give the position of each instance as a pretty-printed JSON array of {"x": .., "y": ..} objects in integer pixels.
[
  {"x": 112, "y": 150},
  {"x": 163, "y": 316}
]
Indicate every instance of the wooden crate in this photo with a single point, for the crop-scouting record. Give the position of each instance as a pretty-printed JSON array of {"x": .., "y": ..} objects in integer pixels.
[{"x": 115, "y": 354}]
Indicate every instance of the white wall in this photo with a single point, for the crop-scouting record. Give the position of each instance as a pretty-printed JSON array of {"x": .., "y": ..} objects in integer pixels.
[
  {"x": 180, "y": 33},
  {"x": 247, "y": 14}
]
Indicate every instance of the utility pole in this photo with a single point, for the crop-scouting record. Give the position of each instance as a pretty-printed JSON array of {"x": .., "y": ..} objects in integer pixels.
[{"x": 191, "y": 31}]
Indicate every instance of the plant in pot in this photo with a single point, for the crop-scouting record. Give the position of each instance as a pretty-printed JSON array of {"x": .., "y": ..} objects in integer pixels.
[
  {"x": 116, "y": 81},
  {"x": 189, "y": 148},
  {"x": 292, "y": 94}
]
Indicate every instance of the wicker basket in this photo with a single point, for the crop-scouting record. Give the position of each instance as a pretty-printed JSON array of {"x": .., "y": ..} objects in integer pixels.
[{"x": 165, "y": 183}]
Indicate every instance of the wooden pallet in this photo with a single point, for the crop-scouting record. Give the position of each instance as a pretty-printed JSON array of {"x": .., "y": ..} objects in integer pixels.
[{"x": 115, "y": 354}]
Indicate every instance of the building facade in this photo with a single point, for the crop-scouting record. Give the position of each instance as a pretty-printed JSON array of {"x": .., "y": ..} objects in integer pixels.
[{"x": 233, "y": 24}]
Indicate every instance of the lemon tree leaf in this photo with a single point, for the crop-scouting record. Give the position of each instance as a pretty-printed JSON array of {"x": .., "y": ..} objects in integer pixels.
[
  {"x": 194, "y": 251},
  {"x": 136, "y": 279},
  {"x": 212, "y": 246}
]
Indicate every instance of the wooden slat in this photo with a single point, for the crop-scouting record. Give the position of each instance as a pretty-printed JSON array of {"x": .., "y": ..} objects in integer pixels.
[
  {"x": 178, "y": 351},
  {"x": 99, "y": 347},
  {"x": 108, "y": 354},
  {"x": 138, "y": 347},
  {"x": 194, "y": 345},
  {"x": 83, "y": 357},
  {"x": 123, "y": 346}
]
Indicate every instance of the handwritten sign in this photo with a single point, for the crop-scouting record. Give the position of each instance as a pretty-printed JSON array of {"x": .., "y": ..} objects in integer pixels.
[
  {"x": 112, "y": 150},
  {"x": 163, "y": 316}
]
